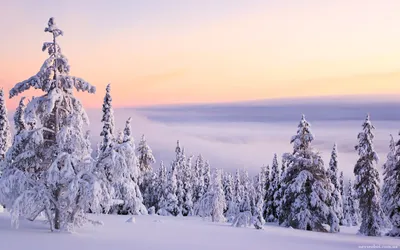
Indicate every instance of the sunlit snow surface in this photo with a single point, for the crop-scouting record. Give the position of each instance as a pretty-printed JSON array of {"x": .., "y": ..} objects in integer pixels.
[{"x": 157, "y": 232}]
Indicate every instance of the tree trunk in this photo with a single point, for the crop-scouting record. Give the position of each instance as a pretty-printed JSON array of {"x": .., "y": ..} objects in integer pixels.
[{"x": 57, "y": 214}]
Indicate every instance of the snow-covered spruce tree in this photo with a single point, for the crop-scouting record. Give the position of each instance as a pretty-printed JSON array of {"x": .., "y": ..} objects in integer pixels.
[
  {"x": 341, "y": 183},
  {"x": 19, "y": 117},
  {"x": 332, "y": 172},
  {"x": 213, "y": 203},
  {"x": 49, "y": 168},
  {"x": 187, "y": 180},
  {"x": 267, "y": 186},
  {"x": 391, "y": 187},
  {"x": 259, "y": 197},
  {"x": 169, "y": 204},
  {"x": 145, "y": 155},
  {"x": 207, "y": 175},
  {"x": 146, "y": 176},
  {"x": 198, "y": 181},
  {"x": 272, "y": 213},
  {"x": 227, "y": 184},
  {"x": 160, "y": 186},
  {"x": 306, "y": 187},
  {"x": 123, "y": 175},
  {"x": 5, "y": 134},
  {"x": 108, "y": 131},
  {"x": 351, "y": 210},
  {"x": 367, "y": 182}
]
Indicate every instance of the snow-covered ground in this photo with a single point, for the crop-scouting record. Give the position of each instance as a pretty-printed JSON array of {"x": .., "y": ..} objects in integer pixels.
[{"x": 157, "y": 232}]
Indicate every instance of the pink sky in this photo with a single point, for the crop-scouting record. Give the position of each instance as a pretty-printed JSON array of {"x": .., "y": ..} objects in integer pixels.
[{"x": 162, "y": 52}]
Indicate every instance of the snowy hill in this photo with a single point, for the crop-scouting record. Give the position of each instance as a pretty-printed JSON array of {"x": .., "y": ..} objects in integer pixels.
[{"x": 157, "y": 232}]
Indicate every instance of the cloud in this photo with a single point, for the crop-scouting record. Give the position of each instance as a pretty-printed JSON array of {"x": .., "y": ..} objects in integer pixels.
[{"x": 231, "y": 145}]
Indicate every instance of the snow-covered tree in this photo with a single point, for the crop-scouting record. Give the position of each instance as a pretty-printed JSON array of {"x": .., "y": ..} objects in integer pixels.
[
  {"x": 272, "y": 213},
  {"x": 49, "y": 168},
  {"x": 207, "y": 175},
  {"x": 19, "y": 117},
  {"x": 160, "y": 185},
  {"x": 259, "y": 197},
  {"x": 227, "y": 184},
  {"x": 341, "y": 183},
  {"x": 198, "y": 180},
  {"x": 123, "y": 175},
  {"x": 187, "y": 180},
  {"x": 332, "y": 172},
  {"x": 391, "y": 187},
  {"x": 169, "y": 203},
  {"x": 351, "y": 209},
  {"x": 367, "y": 182},
  {"x": 305, "y": 202},
  {"x": 145, "y": 156},
  {"x": 5, "y": 134},
  {"x": 108, "y": 121}
]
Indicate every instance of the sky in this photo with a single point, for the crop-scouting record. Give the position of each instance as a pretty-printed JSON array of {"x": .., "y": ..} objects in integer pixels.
[{"x": 199, "y": 51}]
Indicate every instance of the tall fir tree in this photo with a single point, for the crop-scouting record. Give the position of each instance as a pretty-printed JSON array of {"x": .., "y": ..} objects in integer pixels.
[
  {"x": 5, "y": 134},
  {"x": 49, "y": 168},
  {"x": 332, "y": 172},
  {"x": 198, "y": 180},
  {"x": 351, "y": 208},
  {"x": 367, "y": 182},
  {"x": 169, "y": 205},
  {"x": 391, "y": 187},
  {"x": 273, "y": 189},
  {"x": 267, "y": 185},
  {"x": 306, "y": 194},
  {"x": 108, "y": 130},
  {"x": 19, "y": 117},
  {"x": 145, "y": 156},
  {"x": 341, "y": 183}
]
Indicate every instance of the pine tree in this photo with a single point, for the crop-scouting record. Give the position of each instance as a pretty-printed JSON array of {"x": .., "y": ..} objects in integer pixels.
[
  {"x": 5, "y": 134},
  {"x": 188, "y": 188},
  {"x": 367, "y": 182},
  {"x": 267, "y": 186},
  {"x": 391, "y": 187},
  {"x": 161, "y": 185},
  {"x": 306, "y": 188},
  {"x": 272, "y": 214},
  {"x": 145, "y": 156},
  {"x": 351, "y": 210},
  {"x": 218, "y": 203},
  {"x": 49, "y": 167},
  {"x": 207, "y": 175},
  {"x": 169, "y": 205},
  {"x": 341, "y": 183},
  {"x": 124, "y": 175},
  {"x": 259, "y": 197},
  {"x": 229, "y": 196},
  {"x": 332, "y": 173},
  {"x": 108, "y": 121},
  {"x": 198, "y": 180},
  {"x": 19, "y": 117}
]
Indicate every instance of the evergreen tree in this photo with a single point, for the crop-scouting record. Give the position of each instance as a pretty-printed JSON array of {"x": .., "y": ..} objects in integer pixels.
[
  {"x": 227, "y": 184},
  {"x": 161, "y": 185},
  {"x": 305, "y": 203},
  {"x": 272, "y": 214},
  {"x": 198, "y": 180},
  {"x": 49, "y": 168},
  {"x": 145, "y": 156},
  {"x": 341, "y": 183},
  {"x": 351, "y": 210},
  {"x": 259, "y": 197},
  {"x": 5, "y": 134},
  {"x": 169, "y": 205},
  {"x": 206, "y": 175},
  {"x": 124, "y": 175},
  {"x": 391, "y": 187},
  {"x": 19, "y": 117},
  {"x": 188, "y": 188},
  {"x": 367, "y": 182},
  {"x": 108, "y": 121},
  {"x": 267, "y": 186},
  {"x": 332, "y": 173}
]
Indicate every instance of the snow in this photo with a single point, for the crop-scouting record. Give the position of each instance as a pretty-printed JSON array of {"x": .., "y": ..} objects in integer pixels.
[{"x": 179, "y": 233}]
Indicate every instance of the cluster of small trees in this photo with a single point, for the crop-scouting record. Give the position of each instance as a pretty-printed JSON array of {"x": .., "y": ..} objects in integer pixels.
[{"x": 48, "y": 169}]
